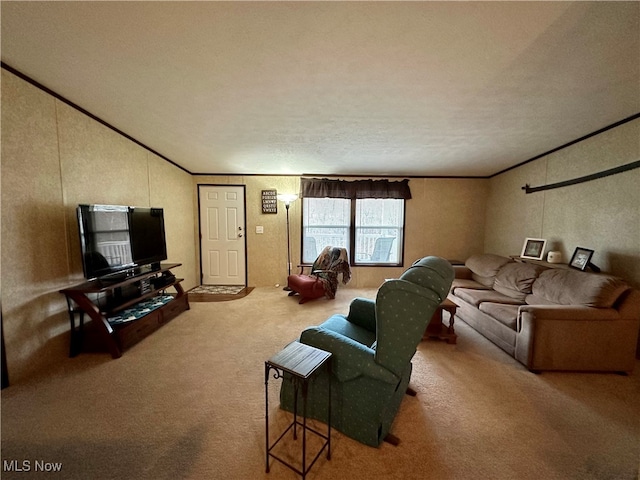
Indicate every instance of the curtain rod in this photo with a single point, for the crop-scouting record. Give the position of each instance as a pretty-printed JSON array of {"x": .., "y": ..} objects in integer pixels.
[{"x": 586, "y": 178}]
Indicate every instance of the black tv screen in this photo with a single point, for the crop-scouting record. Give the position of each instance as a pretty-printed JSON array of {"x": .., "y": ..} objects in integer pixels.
[
  {"x": 115, "y": 238},
  {"x": 148, "y": 244},
  {"x": 105, "y": 239}
]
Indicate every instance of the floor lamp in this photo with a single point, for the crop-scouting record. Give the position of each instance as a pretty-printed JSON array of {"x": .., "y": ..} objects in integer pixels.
[{"x": 287, "y": 198}]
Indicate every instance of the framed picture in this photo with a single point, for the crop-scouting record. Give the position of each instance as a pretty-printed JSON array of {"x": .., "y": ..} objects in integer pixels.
[
  {"x": 269, "y": 201},
  {"x": 533, "y": 248},
  {"x": 581, "y": 258}
]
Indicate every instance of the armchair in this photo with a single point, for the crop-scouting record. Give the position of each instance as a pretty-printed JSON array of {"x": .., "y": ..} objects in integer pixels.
[
  {"x": 323, "y": 278},
  {"x": 372, "y": 349}
]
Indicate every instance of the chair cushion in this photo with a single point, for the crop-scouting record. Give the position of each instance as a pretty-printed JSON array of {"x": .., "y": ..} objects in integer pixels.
[
  {"x": 338, "y": 323},
  {"x": 308, "y": 287}
]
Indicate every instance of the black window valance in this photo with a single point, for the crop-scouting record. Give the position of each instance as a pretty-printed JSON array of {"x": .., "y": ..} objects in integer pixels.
[{"x": 324, "y": 187}]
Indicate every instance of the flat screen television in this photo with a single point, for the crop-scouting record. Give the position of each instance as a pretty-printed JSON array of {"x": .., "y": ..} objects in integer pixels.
[
  {"x": 117, "y": 238},
  {"x": 148, "y": 244}
]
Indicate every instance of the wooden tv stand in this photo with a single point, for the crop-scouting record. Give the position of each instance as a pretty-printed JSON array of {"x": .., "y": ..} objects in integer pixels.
[{"x": 125, "y": 309}]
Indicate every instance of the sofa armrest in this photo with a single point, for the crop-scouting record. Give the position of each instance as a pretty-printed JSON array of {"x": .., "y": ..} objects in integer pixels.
[
  {"x": 350, "y": 359},
  {"x": 569, "y": 337},
  {"x": 362, "y": 312},
  {"x": 460, "y": 271}
]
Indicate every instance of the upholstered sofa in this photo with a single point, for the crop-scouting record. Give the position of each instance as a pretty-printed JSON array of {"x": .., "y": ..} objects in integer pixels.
[{"x": 549, "y": 318}]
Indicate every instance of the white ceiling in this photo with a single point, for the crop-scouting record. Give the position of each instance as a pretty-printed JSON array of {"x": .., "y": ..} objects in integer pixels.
[{"x": 337, "y": 88}]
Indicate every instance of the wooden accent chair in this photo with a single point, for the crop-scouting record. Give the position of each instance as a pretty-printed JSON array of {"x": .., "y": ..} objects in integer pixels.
[{"x": 322, "y": 280}]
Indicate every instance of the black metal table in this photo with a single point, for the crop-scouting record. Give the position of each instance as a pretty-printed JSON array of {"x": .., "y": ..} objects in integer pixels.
[{"x": 301, "y": 362}]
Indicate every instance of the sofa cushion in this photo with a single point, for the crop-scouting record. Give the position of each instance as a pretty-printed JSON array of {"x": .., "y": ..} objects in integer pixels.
[
  {"x": 505, "y": 314},
  {"x": 484, "y": 267},
  {"x": 476, "y": 297},
  {"x": 467, "y": 283},
  {"x": 538, "y": 300},
  {"x": 573, "y": 287},
  {"x": 516, "y": 279}
]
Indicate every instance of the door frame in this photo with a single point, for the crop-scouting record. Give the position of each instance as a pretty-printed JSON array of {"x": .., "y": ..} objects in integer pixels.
[{"x": 244, "y": 223}]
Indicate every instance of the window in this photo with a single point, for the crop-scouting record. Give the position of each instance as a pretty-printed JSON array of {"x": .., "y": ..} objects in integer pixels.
[
  {"x": 364, "y": 216},
  {"x": 371, "y": 229},
  {"x": 378, "y": 235}
]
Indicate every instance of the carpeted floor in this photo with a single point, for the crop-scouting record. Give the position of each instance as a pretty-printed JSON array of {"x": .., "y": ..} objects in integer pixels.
[{"x": 188, "y": 403}]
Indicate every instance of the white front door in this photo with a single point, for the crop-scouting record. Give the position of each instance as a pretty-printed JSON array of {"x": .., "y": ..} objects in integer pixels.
[{"x": 222, "y": 235}]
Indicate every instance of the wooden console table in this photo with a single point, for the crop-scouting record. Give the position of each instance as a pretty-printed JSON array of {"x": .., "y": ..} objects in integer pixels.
[
  {"x": 542, "y": 263},
  {"x": 438, "y": 329},
  {"x": 125, "y": 310}
]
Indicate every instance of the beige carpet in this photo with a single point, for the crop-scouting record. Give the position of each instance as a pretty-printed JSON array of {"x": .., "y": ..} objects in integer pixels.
[{"x": 188, "y": 403}]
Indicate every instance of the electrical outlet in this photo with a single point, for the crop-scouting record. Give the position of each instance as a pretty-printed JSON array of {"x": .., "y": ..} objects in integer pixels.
[{"x": 259, "y": 229}]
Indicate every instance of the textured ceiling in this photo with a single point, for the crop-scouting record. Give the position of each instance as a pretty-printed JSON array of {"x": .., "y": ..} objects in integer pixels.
[{"x": 337, "y": 88}]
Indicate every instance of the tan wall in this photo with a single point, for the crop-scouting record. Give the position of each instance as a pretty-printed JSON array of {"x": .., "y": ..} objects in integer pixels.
[
  {"x": 53, "y": 158},
  {"x": 445, "y": 217},
  {"x": 602, "y": 215}
]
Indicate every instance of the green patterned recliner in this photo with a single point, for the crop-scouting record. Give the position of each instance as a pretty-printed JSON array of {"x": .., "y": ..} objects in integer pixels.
[{"x": 372, "y": 350}]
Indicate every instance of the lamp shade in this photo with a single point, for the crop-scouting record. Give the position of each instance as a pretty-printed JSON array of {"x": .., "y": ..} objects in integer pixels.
[{"x": 287, "y": 198}]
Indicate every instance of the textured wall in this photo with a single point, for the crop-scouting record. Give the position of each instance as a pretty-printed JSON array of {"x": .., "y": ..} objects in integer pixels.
[
  {"x": 266, "y": 252},
  {"x": 54, "y": 157},
  {"x": 603, "y": 214},
  {"x": 172, "y": 189},
  {"x": 445, "y": 217},
  {"x": 34, "y": 240}
]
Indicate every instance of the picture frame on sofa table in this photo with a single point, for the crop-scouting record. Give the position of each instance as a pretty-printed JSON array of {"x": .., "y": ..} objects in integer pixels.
[
  {"x": 533, "y": 248},
  {"x": 581, "y": 258}
]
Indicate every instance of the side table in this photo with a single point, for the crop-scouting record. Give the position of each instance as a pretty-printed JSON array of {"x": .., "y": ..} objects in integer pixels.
[
  {"x": 437, "y": 329},
  {"x": 300, "y": 362}
]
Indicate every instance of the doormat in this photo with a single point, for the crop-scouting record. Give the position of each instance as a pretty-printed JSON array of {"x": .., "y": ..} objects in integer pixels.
[
  {"x": 218, "y": 289},
  {"x": 218, "y": 293}
]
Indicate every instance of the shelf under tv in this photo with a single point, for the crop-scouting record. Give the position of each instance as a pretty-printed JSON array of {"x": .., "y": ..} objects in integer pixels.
[{"x": 103, "y": 301}]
